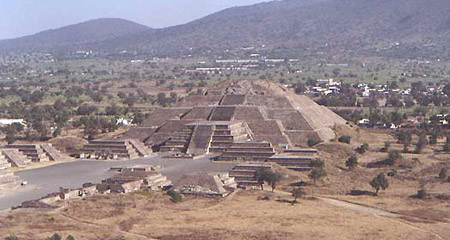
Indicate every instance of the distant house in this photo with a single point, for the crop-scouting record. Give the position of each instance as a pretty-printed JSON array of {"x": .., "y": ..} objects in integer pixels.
[{"x": 8, "y": 122}]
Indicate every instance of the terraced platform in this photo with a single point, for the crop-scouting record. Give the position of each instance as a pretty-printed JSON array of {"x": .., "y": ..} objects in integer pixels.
[
  {"x": 16, "y": 158},
  {"x": 8, "y": 181},
  {"x": 244, "y": 174},
  {"x": 115, "y": 149},
  {"x": 231, "y": 116},
  {"x": 37, "y": 153}
]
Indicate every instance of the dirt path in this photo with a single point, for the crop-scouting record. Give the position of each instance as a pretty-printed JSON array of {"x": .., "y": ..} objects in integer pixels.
[
  {"x": 379, "y": 213},
  {"x": 126, "y": 234}
]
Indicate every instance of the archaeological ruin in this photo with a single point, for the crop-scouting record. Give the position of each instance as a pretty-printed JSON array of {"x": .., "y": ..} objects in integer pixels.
[{"x": 248, "y": 120}]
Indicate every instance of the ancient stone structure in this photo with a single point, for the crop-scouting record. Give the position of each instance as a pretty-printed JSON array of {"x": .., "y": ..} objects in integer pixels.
[
  {"x": 206, "y": 184},
  {"x": 115, "y": 149},
  {"x": 33, "y": 152},
  {"x": 130, "y": 181},
  {"x": 229, "y": 114},
  {"x": 244, "y": 174},
  {"x": 4, "y": 164},
  {"x": 15, "y": 158},
  {"x": 8, "y": 181}
]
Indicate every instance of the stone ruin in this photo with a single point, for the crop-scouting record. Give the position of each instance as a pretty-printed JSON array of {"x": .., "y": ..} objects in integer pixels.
[
  {"x": 127, "y": 180},
  {"x": 21, "y": 155},
  {"x": 244, "y": 174},
  {"x": 115, "y": 149},
  {"x": 248, "y": 120},
  {"x": 206, "y": 184}
]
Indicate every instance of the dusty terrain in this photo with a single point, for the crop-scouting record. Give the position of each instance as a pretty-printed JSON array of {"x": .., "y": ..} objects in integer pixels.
[
  {"x": 242, "y": 216},
  {"x": 326, "y": 212}
]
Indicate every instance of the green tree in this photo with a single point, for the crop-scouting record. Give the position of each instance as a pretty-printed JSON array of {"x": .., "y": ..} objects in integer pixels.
[
  {"x": 261, "y": 176},
  {"x": 393, "y": 156},
  {"x": 317, "y": 173},
  {"x": 421, "y": 144},
  {"x": 345, "y": 139},
  {"x": 174, "y": 196},
  {"x": 379, "y": 183},
  {"x": 54, "y": 237},
  {"x": 352, "y": 162},
  {"x": 363, "y": 148},
  {"x": 273, "y": 179},
  {"x": 297, "y": 193}
]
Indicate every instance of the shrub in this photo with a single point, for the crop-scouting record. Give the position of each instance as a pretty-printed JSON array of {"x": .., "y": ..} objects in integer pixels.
[
  {"x": 351, "y": 162},
  {"x": 11, "y": 238},
  {"x": 174, "y": 196},
  {"x": 422, "y": 193},
  {"x": 297, "y": 193},
  {"x": 386, "y": 147},
  {"x": 54, "y": 237},
  {"x": 345, "y": 139},
  {"x": 443, "y": 173},
  {"x": 392, "y": 173},
  {"x": 379, "y": 183},
  {"x": 421, "y": 144},
  {"x": 317, "y": 173},
  {"x": 363, "y": 148},
  {"x": 393, "y": 156},
  {"x": 312, "y": 142}
]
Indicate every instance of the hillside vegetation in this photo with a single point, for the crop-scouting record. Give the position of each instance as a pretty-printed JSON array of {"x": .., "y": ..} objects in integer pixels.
[{"x": 396, "y": 28}]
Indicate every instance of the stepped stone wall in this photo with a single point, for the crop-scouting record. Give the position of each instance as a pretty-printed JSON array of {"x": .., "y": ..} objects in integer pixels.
[
  {"x": 16, "y": 158},
  {"x": 268, "y": 113},
  {"x": 115, "y": 149},
  {"x": 8, "y": 181}
]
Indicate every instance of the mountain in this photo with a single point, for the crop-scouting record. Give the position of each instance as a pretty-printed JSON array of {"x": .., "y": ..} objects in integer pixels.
[
  {"x": 75, "y": 35},
  {"x": 376, "y": 27}
]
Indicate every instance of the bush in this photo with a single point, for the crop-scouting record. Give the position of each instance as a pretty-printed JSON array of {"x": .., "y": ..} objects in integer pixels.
[
  {"x": 345, "y": 139},
  {"x": 443, "y": 173},
  {"x": 392, "y": 173},
  {"x": 351, "y": 162},
  {"x": 379, "y": 183},
  {"x": 363, "y": 148},
  {"x": 312, "y": 142},
  {"x": 386, "y": 147},
  {"x": 422, "y": 193},
  {"x": 54, "y": 237},
  {"x": 393, "y": 156},
  {"x": 174, "y": 196},
  {"x": 11, "y": 238}
]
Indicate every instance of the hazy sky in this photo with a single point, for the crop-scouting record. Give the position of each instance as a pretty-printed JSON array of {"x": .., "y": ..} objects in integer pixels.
[{"x": 24, "y": 17}]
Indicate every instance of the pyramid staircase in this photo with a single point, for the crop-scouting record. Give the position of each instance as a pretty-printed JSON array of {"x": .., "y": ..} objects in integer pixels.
[
  {"x": 53, "y": 153},
  {"x": 296, "y": 159},
  {"x": 248, "y": 151},
  {"x": 34, "y": 152},
  {"x": 16, "y": 158},
  {"x": 225, "y": 136},
  {"x": 109, "y": 149},
  {"x": 140, "y": 148},
  {"x": 244, "y": 174},
  {"x": 157, "y": 181},
  {"x": 180, "y": 141}
]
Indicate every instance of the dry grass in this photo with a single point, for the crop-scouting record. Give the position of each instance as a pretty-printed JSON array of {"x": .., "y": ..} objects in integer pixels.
[{"x": 242, "y": 217}]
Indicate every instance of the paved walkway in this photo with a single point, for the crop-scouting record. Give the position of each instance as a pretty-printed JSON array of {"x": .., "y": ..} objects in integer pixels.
[{"x": 43, "y": 181}]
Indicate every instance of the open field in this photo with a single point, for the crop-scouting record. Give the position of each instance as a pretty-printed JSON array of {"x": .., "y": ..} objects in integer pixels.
[{"x": 241, "y": 216}]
